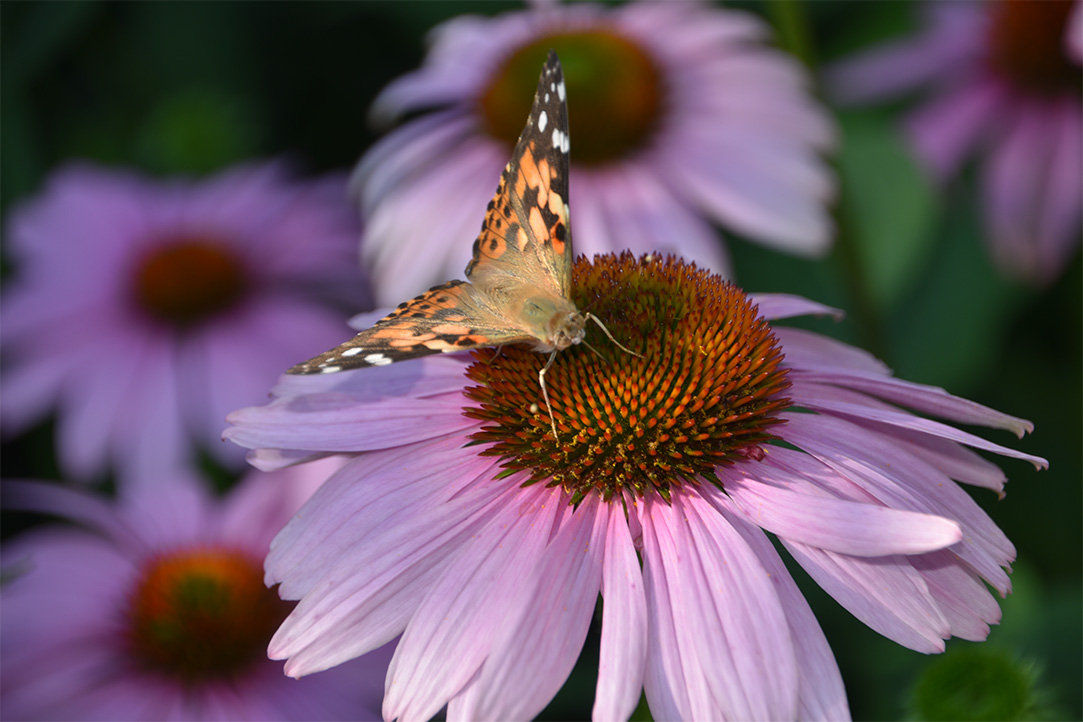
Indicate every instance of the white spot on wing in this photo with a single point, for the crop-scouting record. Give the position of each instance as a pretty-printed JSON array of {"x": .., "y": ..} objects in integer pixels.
[
  {"x": 560, "y": 90},
  {"x": 377, "y": 359},
  {"x": 560, "y": 140},
  {"x": 543, "y": 120},
  {"x": 352, "y": 351},
  {"x": 329, "y": 369}
]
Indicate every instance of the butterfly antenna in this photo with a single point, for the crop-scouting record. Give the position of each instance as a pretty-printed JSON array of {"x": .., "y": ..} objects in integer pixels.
[
  {"x": 545, "y": 393},
  {"x": 598, "y": 321},
  {"x": 596, "y": 352}
]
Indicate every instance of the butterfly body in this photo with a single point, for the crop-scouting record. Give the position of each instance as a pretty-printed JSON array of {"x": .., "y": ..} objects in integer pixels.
[
  {"x": 519, "y": 280},
  {"x": 518, "y": 287}
]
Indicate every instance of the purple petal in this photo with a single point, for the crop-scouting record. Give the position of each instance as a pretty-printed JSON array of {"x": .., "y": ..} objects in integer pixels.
[
  {"x": 960, "y": 593},
  {"x": 1062, "y": 205},
  {"x": 850, "y": 404},
  {"x": 775, "y": 306},
  {"x": 885, "y": 593},
  {"x": 853, "y": 528},
  {"x": 952, "y": 41},
  {"x": 807, "y": 350},
  {"x": 622, "y": 660},
  {"x": 533, "y": 655},
  {"x": 822, "y": 695},
  {"x": 1013, "y": 183},
  {"x": 450, "y": 635},
  {"x": 928, "y": 399},
  {"x": 628, "y": 208},
  {"x": 711, "y": 663},
  {"x": 394, "y": 159},
  {"x": 79, "y": 507},
  {"x": 948, "y": 127}
]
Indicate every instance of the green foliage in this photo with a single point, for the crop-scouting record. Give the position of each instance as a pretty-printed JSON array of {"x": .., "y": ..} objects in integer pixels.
[{"x": 970, "y": 684}]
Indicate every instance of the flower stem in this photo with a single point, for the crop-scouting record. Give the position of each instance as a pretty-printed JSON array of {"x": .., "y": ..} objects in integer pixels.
[{"x": 792, "y": 28}]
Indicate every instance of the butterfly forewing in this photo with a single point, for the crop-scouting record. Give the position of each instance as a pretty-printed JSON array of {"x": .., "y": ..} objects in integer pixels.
[
  {"x": 520, "y": 275},
  {"x": 445, "y": 318},
  {"x": 526, "y": 236}
]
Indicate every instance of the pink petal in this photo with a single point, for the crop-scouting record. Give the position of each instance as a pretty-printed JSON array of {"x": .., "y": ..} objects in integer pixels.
[
  {"x": 1073, "y": 38},
  {"x": 451, "y": 634},
  {"x": 718, "y": 663},
  {"x": 353, "y": 608},
  {"x": 955, "y": 461},
  {"x": 903, "y": 65},
  {"x": 853, "y": 528},
  {"x": 948, "y": 127},
  {"x": 885, "y": 593},
  {"x": 880, "y": 470},
  {"x": 823, "y": 399},
  {"x": 533, "y": 655},
  {"x": 1013, "y": 183},
  {"x": 806, "y": 350},
  {"x": 822, "y": 696},
  {"x": 622, "y": 660},
  {"x": 1060, "y": 213},
  {"x": 928, "y": 399},
  {"x": 775, "y": 306},
  {"x": 368, "y": 504},
  {"x": 960, "y": 593}
]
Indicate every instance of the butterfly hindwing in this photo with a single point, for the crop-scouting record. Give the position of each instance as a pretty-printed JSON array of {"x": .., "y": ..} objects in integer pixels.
[
  {"x": 526, "y": 236},
  {"x": 519, "y": 281},
  {"x": 445, "y": 318}
]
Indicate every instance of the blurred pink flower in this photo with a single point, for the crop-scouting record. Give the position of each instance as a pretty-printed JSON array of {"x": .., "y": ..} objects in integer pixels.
[
  {"x": 143, "y": 311},
  {"x": 681, "y": 115},
  {"x": 462, "y": 521},
  {"x": 156, "y": 608},
  {"x": 1004, "y": 79}
]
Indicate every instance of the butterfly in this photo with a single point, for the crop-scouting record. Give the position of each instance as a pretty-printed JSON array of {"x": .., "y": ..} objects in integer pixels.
[{"x": 519, "y": 280}]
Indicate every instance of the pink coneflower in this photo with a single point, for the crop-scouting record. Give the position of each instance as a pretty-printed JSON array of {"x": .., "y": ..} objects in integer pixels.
[
  {"x": 681, "y": 116},
  {"x": 156, "y": 609},
  {"x": 1004, "y": 79},
  {"x": 144, "y": 311},
  {"x": 465, "y": 526}
]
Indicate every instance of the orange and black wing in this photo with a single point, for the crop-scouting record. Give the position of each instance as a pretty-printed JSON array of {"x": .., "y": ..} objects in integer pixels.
[
  {"x": 526, "y": 237},
  {"x": 444, "y": 319}
]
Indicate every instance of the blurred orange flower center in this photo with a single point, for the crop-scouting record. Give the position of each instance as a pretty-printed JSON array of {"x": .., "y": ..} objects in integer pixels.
[
  {"x": 1027, "y": 45},
  {"x": 188, "y": 280},
  {"x": 202, "y": 614},
  {"x": 615, "y": 93}
]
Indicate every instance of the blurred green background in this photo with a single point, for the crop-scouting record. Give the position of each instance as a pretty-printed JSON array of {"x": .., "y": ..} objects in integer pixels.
[{"x": 188, "y": 88}]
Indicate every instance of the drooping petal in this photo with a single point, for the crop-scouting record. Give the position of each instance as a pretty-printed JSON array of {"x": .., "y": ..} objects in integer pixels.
[
  {"x": 450, "y": 635},
  {"x": 822, "y": 695},
  {"x": 710, "y": 664},
  {"x": 865, "y": 530},
  {"x": 623, "y": 655},
  {"x": 534, "y": 653},
  {"x": 885, "y": 593}
]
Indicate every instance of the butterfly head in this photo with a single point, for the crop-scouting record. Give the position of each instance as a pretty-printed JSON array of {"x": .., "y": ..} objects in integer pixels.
[
  {"x": 553, "y": 321},
  {"x": 567, "y": 330}
]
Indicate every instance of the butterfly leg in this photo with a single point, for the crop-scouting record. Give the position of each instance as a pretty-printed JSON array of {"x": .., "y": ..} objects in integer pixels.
[
  {"x": 495, "y": 356},
  {"x": 598, "y": 321},
  {"x": 545, "y": 393}
]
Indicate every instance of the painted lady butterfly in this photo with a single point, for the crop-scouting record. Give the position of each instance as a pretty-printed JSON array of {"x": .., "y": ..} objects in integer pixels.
[{"x": 520, "y": 276}]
